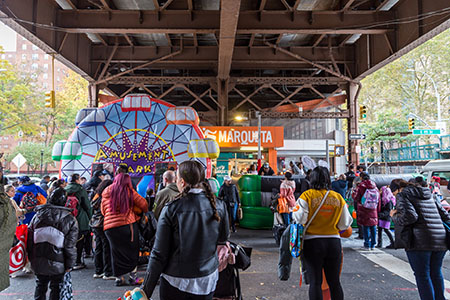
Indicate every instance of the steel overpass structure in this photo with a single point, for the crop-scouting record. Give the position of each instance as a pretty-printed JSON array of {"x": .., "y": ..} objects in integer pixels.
[{"x": 230, "y": 56}]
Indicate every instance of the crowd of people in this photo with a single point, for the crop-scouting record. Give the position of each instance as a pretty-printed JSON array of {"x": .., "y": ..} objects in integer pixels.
[{"x": 63, "y": 215}]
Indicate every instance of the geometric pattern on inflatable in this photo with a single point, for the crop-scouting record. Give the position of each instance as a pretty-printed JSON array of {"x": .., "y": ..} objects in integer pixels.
[{"x": 134, "y": 132}]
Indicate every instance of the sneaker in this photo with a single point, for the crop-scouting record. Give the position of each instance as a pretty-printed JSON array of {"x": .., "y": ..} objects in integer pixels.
[
  {"x": 371, "y": 249},
  {"x": 98, "y": 275},
  {"x": 391, "y": 246},
  {"x": 108, "y": 277},
  {"x": 79, "y": 266},
  {"x": 119, "y": 281}
]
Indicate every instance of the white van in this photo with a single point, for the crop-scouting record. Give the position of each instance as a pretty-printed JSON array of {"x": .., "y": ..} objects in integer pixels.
[{"x": 439, "y": 168}]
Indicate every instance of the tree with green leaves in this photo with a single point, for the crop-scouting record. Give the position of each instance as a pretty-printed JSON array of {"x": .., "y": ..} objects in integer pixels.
[{"x": 32, "y": 153}]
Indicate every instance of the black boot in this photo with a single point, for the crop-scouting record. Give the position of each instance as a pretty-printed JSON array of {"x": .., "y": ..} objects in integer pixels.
[
  {"x": 360, "y": 232},
  {"x": 380, "y": 238}
]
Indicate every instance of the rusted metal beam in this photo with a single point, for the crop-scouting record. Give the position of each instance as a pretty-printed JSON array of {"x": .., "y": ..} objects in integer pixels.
[
  {"x": 179, "y": 22},
  {"x": 304, "y": 115},
  {"x": 140, "y": 66},
  {"x": 203, "y": 53},
  {"x": 229, "y": 15},
  {"x": 296, "y": 4},
  {"x": 288, "y": 7},
  {"x": 262, "y": 5},
  {"x": 347, "y": 5},
  {"x": 247, "y": 99},
  {"x": 107, "y": 63},
  {"x": 105, "y": 4},
  {"x": 129, "y": 41},
  {"x": 326, "y": 69},
  {"x": 318, "y": 40},
  {"x": 288, "y": 98},
  {"x": 102, "y": 40},
  {"x": 168, "y": 2},
  {"x": 125, "y": 80},
  {"x": 62, "y": 42}
]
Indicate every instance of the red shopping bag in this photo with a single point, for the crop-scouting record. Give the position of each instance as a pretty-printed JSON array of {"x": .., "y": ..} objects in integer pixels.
[{"x": 18, "y": 253}]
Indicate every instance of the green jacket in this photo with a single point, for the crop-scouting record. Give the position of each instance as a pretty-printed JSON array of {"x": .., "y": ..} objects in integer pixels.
[
  {"x": 8, "y": 224},
  {"x": 84, "y": 206}
]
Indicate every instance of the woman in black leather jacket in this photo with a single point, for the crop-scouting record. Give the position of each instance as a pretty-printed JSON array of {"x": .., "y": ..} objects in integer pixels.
[
  {"x": 189, "y": 229},
  {"x": 423, "y": 235}
]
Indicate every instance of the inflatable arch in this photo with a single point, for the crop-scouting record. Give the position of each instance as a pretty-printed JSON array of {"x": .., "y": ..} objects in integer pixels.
[{"x": 139, "y": 131}]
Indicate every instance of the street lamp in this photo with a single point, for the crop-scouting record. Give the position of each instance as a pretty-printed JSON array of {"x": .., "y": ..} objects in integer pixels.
[{"x": 438, "y": 97}]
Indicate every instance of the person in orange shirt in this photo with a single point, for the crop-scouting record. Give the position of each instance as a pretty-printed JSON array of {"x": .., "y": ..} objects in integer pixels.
[{"x": 119, "y": 203}]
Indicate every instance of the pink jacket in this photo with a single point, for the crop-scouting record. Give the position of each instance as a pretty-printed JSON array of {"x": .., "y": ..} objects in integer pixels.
[{"x": 287, "y": 190}]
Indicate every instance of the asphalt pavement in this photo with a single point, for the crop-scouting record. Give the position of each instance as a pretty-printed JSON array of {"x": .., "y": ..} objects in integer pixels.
[{"x": 377, "y": 275}]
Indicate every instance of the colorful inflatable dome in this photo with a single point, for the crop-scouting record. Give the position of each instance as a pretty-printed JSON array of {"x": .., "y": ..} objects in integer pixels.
[{"x": 136, "y": 131}]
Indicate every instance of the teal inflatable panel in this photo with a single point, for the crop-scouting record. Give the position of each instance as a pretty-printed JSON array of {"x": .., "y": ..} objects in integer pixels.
[
  {"x": 256, "y": 218},
  {"x": 250, "y": 198},
  {"x": 250, "y": 183}
]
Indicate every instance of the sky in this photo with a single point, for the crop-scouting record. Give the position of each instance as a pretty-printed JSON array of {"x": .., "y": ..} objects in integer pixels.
[{"x": 7, "y": 38}]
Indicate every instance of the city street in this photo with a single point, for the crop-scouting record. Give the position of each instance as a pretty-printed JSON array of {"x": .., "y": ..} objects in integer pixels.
[{"x": 378, "y": 274}]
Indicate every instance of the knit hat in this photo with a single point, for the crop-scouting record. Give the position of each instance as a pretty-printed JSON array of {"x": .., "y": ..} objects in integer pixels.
[{"x": 24, "y": 179}]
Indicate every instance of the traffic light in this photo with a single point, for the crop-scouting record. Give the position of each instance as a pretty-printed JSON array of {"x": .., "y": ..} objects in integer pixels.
[
  {"x": 362, "y": 112},
  {"x": 411, "y": 123},
  {"x": 50, "y": 99}
]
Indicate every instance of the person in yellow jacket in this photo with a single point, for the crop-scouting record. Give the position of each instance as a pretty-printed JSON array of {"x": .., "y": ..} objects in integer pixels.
[{"x": 322, "y": 244}]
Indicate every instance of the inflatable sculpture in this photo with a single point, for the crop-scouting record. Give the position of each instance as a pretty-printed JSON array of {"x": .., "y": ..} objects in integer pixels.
[{"x": 144, "y": 133}]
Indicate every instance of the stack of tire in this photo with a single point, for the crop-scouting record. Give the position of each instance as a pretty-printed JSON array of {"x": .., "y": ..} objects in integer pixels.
[{"x": 254, "y": 214}]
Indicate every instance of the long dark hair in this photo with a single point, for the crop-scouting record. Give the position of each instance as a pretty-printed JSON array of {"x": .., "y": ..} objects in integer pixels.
[
  {"x": 102, "y": 186},
  {"x": 193, "y": 174},
  {"x": 320, "y": 178},
  {"x": 74, "y": 177},
  {"x": 121, "y": 194}
]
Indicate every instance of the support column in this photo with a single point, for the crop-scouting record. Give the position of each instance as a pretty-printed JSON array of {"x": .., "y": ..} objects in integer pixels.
[
  {"x": 222, "y": 91},
  {"x": 352, "y": 102},
  {"x": 93, "y": 95},
  {"x": 273, "y": 159}
]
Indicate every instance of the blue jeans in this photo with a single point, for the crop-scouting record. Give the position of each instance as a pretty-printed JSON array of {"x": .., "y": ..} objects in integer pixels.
[
  {"x": 427, "y": 267},
  {"x": 370, "y": 236}
]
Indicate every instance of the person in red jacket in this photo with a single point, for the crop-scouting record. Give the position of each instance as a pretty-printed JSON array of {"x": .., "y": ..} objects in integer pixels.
[
  {"x": 366, "y": 216},
  {"x": 120, "y": 205}
]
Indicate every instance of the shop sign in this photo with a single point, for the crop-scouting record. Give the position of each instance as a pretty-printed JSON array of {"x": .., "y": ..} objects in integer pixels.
[{"x": 234, "y": 137}]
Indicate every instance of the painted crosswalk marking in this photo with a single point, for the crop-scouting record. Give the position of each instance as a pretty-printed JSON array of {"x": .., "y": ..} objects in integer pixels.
[{"x": 396, "y": 266}]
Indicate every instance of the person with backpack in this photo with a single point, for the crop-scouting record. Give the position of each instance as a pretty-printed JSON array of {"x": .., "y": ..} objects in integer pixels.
[
  {"x": 384, "y": 219},
  {"x": 31, "y": 192},
  {"x": 367, "y": 198},
  {"x": 52, "y": 235},
  {"x": 322, "y": 247},
  {"x": 78, "y": 200},
  {"x": 287, "y": 189},
  {"x": 102, "y": 252},
  {"x": 423, "y": 235}
]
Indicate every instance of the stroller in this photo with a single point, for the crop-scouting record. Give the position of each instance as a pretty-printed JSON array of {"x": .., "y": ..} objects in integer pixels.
[{"x": 229, "y": 286}]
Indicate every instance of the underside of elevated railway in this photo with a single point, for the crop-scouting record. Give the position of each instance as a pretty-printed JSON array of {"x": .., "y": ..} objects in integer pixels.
[{"x": 231, "y": 56}]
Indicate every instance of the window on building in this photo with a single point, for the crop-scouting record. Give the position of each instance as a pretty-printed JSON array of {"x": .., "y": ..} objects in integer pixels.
[
  {"x": 6, "y": 138},
  {"x": 45, "y": 85},
  {"x": 46, "y": 66},
  {"x": 6, "y": 146},
  {"x": 45, "y": 76},
  {"x": 9, "y": 55},
  {"x": 34, "y": 66},
  {"x": 34, "y": 56},
  {"x": 57, "y": 79},
  {"x": 24, "y": 66},
  {"x": 35, "y": 48},
  {"x": 24, "y": 46},
  {"x": 45, "y": 56},
  {"x": 33, "y": 75},
  {"x": 3, "y": 56},
  {"x": 24, "y": 56}
]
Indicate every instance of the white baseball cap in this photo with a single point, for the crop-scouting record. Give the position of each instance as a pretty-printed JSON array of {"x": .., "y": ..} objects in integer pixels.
[{"x": 227, "y": 178}]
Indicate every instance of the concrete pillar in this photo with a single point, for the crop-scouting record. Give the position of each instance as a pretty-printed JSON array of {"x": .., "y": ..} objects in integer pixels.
[
  {"x": 352, "y": 103},
  {"x": 93, "y": 95},
  {"x": 222, "y": 91}
]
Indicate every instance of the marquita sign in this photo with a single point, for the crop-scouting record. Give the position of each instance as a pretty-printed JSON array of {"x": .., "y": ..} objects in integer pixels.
[{"x": 232, "y": 137}]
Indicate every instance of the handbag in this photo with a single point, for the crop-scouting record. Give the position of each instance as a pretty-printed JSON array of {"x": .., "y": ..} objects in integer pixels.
[
  {"x": 297, "y": 235},
  {"x": 282, "y": 206}
]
